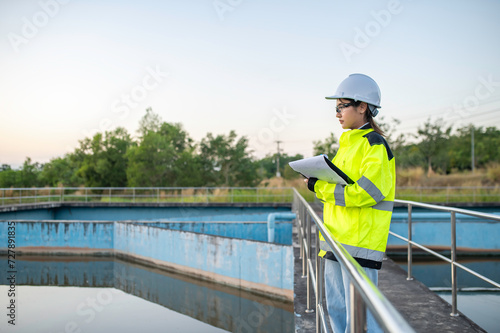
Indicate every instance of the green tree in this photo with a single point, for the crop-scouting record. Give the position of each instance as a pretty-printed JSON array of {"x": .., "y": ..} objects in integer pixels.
[
  {"x": 406, "y": 154},
  {"x": 487, "y": 145},
  {"x": 7, "y": 176},
  {"x": 433, "y": 144},
  {"x": 28, "y": 175},
  {"x": 267, "y": 166},
  {"x": 328, "y": 146},
  {"x": 192, "y": 169},
  {"x": 149, "y": 122},
  {"x": 228, "y": 160},
  {"x": 409, "y": 155},
  {"x": 61, "y": 171},
  {"x": 103, "y": 159},
  {"x": 157, "y": 158}
]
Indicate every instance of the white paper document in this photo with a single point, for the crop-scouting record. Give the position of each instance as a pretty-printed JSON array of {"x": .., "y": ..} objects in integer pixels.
[{"x": 322, "y": 168}]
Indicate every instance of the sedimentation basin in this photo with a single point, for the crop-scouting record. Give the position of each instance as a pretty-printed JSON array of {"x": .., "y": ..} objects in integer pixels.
[{"x": 222, "y": 246}]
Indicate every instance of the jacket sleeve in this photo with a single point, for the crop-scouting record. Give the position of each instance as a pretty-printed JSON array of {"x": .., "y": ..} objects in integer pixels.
[{"x": 372, "y": 187}]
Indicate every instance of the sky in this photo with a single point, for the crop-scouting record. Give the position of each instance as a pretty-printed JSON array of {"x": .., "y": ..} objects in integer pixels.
[{"x": 72, "y": 68}]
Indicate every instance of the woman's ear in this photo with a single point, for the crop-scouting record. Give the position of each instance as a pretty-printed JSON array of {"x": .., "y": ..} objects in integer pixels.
[{"x": 363, "y": 107}]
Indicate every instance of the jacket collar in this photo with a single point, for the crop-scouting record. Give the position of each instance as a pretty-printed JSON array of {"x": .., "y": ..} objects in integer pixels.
[
  {"x": 353, "y": 135},
  {"x": 366, "y": 126}
]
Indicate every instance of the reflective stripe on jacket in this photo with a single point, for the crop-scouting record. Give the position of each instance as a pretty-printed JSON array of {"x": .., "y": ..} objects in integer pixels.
[{"x": 359, "y": 215}]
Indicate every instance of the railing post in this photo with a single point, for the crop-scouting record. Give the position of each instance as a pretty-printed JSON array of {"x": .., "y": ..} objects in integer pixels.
[
  {"x": 319, "y": 283},
  {"x": 357, "y": 310},
  {"x": 299, "y": 229},
  {"x": 309, "y": 308},
  {"x": 454, "y": 311},
  {"x": 410, "y": 248},
  {"x": 86, "y": 195},
  {"x": 304, "y": 237},
  {"x": 20, "y": 196},
  {"x": 300, "y": 236},
  {"x": 36, "y": 195}
]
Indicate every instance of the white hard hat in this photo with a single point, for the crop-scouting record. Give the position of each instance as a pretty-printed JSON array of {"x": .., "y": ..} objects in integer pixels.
[{"x": 359, "y": 87}]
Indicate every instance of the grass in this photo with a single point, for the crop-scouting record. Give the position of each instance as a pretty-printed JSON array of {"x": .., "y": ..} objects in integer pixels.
[
  {"x": 412, "y": 184},
  {"x": 483, "y": 185},
  {"x": 190, "y": 195},
  {"x": 449, "y": 194},
  {"x": 489, "y": 177}
]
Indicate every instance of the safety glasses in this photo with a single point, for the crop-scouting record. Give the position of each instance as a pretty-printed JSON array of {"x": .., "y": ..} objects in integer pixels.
[{"x": 341, "y": 107}]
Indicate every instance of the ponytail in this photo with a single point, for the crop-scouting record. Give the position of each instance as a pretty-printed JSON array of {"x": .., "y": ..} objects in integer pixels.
[
  {"x": 373, "y": 124},
  {"x": 368, "y": 116}
]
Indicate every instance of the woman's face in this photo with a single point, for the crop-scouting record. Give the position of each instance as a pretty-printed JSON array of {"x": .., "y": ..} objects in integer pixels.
[{"x": 351, "y": 117}]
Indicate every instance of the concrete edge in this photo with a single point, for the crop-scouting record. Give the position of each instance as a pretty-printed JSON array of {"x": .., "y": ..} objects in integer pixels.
[{"x": 19, "y": 207}]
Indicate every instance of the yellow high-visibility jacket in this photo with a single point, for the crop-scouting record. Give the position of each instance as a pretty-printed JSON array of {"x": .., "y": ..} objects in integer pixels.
[{"x": 359, "y": 215}]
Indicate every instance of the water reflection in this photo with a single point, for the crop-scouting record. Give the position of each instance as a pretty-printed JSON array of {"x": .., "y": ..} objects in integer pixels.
[
  {"x": 223, "y": 307},
  {"x": 482, "y": 307},
  {"x": 50, "y": 309}
]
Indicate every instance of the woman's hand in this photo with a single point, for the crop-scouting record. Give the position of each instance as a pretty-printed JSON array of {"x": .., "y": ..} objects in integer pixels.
[{"x": 310, "y": 183}]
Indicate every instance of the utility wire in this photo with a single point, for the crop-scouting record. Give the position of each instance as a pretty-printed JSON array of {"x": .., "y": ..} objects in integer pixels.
[
  {"x": 441, "y": 111},
  {"x": 455, "y": 118}
]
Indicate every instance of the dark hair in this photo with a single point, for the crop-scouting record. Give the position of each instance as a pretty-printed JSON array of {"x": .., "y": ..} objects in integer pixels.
[{"x": 368, "y": 116}]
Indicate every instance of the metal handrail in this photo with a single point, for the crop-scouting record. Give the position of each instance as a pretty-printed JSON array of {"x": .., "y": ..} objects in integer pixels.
[
  {"x": 453, "y": 259},
  {"x": 449, "y": 187},
  {"x": 447, "y": 194},
  {"x": 363, "y": 291},
  {"x": 62, "y": 194},
  {"x": 46, "y": 194},
  {"x": 136, "y": 187}
]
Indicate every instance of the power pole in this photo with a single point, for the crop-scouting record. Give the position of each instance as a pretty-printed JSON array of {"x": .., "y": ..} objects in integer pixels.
[
  {"x": 472, "y": 148},
  {"x": 278, "y": 173}
]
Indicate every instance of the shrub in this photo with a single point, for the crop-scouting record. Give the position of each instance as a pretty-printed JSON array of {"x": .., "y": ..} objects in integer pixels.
[{"x": 493, "y": 171}]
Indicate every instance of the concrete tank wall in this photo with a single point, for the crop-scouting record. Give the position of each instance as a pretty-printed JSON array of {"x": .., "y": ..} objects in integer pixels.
[
  {"x": 241, "y": 263},
  {"x": 252, "y": 265},
  {"x": 60, "y": 234}
]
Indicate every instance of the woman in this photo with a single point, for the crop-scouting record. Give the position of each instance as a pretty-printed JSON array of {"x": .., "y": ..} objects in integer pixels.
[{"x": 357, "y": 215}]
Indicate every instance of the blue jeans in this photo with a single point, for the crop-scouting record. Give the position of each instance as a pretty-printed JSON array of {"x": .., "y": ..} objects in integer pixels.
[{"x": 338, "y": 299}]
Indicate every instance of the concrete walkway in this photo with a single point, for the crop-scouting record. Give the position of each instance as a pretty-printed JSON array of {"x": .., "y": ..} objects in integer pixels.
[{"x": 424, "y": 310}]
